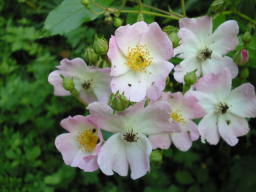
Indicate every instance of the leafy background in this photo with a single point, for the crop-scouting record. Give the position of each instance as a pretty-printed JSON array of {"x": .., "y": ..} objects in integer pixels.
[{"x": 31, "y": 47}]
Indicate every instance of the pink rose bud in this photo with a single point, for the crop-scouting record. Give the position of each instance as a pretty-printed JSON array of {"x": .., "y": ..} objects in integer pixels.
[{"x": 244, "y": 56}]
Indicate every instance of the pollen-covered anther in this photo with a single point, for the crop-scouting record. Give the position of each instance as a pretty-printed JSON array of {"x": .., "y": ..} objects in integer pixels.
[
  {"x": 138, "y": 58},
  {"x": 205, "y": 54},
  {"x": 130, "y": 136},
  {"x": 177, "y": 117},
  {"x": 88, "y": 140}
]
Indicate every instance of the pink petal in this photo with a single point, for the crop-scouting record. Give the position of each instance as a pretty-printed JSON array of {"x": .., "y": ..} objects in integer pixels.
[
  {"x": 201, "y": 26},
  {"x": 116, "y": 58},
  {"x": 193, "y": 108},
  {"x": 217, "y": 63},
  {"x": 65, "y": 143},
  {"x": 153, "y": 119},
  {"x": 192, "y": 130},
  {"x": 208, "y": 129},
  {"x": 225, "y": 37},
  {"x": 157, "y": 75},
  {"x": 216, "y": 84},
  {"x": 130, "y": 35},
  {"x": 129, "y": 84},
  {"x": 189, "y": 44},
  {"x": 161, "y": 141},
  {"x": 242, "y": 101},
  {"x": 90, "y": 163},
  {"x": 55, "y": 79},
  {"x": 138, "y": 156},
  {"x": 157, "y": 42},
  {"x": 76, "y": 123},
  {"x": 181, "y": 140},
  {"x": 112, "y": 156},
  {"x": 73, "y": 68},
  {"x": 103, "y": 116}
]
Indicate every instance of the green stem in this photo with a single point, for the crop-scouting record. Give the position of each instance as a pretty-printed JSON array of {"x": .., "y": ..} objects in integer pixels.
[
  {"x": 183, "y": 7},
  {"x": 172, "y": 13},
  {"x": 149, "y": 13},
  {"x": 239, "y": 14}
]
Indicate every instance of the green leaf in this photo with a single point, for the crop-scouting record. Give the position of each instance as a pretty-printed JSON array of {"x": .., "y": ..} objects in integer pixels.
[
  {"x": 33, "y": 153},
  {"x": 69, "y": 15},
  {"x": 184, "y": 177}
]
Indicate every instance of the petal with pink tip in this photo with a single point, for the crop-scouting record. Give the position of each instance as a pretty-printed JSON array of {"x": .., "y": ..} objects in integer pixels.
[
  {"x": 55, "y": 79},
  {"x": 181, "y": 140},
  {"x": 130, "y": 35},
  {"x": 116, "y": 58},
  {"x": 201, "y": 26},
  {"x": 225, "y": 37},
  {"x": 158, "y": 43},
  {"x": 161, "y": 141},
  {"x": 153, "y": 119},
  {"x": 112, "y": 156},
  {"x": 103, "y": 116},
  {"x": 215, "y": 84},
  {"x": 208, "y": 129},
  {"x": 242, "y": 101},
  {"x": 76, "y": 123},
  {"x": 138, "y": 156},
  {"x": 65, "y": 143}
]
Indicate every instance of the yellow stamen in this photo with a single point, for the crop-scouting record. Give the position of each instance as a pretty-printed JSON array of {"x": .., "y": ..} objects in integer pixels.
[
  {"x": 138, "y": 58},
  {"x": 88, "y": 140},
  {"x": 176, "y": 116}
]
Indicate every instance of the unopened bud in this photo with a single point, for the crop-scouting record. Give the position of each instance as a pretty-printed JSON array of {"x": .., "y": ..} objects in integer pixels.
[
  {"x": 68, "y": 83},
  {"x": 140, "y": 17},
  {"x": 246, "y": 37},
  {"x": 118, "y": 22},
  {"x": 244, "y": 74},
  {"x": 90, "y": 55},
  {"x": 100, "y": 46},
  {"x": 118, "y": 102},
  {"x": 241, "y": 57},
  {"x": 172, "y": 34},
  {"x": 190, "y": 78},
  {"x": 156, "y": 156},
  {"x": 108, "y": 20},
  {"x": 85, "y": 3},
  {"x": 217, "y": 5}
]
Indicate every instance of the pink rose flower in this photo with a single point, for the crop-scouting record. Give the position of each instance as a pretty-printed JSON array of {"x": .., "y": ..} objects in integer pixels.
[
  {"x": 91, "y": 83},
  {"x": 226, "y": 109},
  {"x": 139, "y": 54},
  {"x": 81, "y": 145},
  {"x": 203, "y": 50},
  {"x": 183, "y": 108},
  {"x": 129, "y": 145}
]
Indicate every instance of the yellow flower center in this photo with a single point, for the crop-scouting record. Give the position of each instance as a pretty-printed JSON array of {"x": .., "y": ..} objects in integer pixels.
[
  {"x": 88, "y": 140},
  {"x": 176, "y": 116},
  {"x": 138, "y": 58}
]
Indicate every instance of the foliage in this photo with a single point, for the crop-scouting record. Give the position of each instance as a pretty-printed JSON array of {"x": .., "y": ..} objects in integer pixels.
[{"x": 30, "y": 113}]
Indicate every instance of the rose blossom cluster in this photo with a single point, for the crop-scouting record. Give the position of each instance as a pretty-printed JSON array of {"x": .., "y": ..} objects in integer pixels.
[{"x": 139, "y": 56}]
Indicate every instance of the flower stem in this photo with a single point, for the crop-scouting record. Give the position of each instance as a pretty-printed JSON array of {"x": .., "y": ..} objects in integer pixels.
[
  {"x": 149, "y": 13},
  {"x": 239, "y": 14},
  {"x": 183, "y": 7}
]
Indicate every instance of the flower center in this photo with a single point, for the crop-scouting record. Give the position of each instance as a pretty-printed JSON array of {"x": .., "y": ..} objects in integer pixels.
[
  {"x": 87, "y": 84},
  {"x": 138, "y": 58},
  {"x": 204, "y": 54},
  {"x": 177, "y": 117},
  {"x": 222, "y": 108},
  {"x": 88, "y": 140},
  {"x": 130, "y": 136}
]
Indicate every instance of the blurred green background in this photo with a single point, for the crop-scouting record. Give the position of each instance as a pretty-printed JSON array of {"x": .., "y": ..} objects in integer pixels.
[{"x": 30, "y": 114}]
